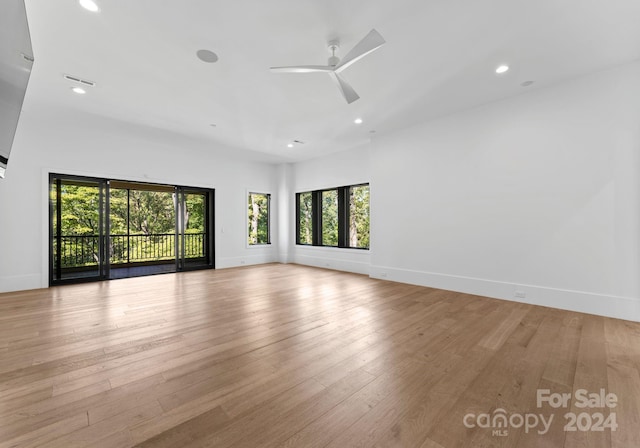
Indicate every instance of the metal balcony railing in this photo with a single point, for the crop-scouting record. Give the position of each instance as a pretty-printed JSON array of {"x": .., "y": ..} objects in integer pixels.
[{"x": 82, "y": 250}]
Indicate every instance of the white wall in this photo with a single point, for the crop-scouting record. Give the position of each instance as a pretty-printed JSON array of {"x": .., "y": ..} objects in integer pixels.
[
  {"x": 537, "y": 194},
  {"x": 336, "y": 170},
  {"x": 285, "y": 214},
  {"x": 64, "y": 141}
]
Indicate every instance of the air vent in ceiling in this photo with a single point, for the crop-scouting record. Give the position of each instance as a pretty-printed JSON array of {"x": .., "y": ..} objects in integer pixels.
[{"x": 79, "y": 80}]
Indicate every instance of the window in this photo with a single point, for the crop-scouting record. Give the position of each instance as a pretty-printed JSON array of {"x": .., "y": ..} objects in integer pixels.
[
  {"x": 337, "y": 217},
  {"x": 305, "y": 218},
  {"x": 258, "y": 223},
  {"x": 330, "y": 218},
  {"x": 359, "y": 216},
  {"x": 107, "y": 228}
]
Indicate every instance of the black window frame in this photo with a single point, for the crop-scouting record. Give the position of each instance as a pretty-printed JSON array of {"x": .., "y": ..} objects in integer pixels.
[
  {"x": 316, "y": 219},
  {"x": 268, "y": 195}
]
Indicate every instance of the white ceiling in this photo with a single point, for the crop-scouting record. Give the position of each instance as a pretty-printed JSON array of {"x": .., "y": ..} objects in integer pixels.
[{"x": 439, "y": 58}]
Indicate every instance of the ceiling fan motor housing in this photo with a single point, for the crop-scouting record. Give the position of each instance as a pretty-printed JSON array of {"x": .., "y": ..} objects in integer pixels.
[{"x": 333, "y": 46}]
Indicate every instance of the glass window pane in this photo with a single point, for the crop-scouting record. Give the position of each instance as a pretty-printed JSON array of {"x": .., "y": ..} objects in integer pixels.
[
  {"x": 305, "y": 209},
  {"x": 80, "y": 225},
  {"x": 359, "y": 216},
  {"x": 152, "y": 223},
  {"x": 330, "y": 218},
  {"x": 194, "y": 224},
  {"x": 258, "y": 213},
  {"x": 119, "y": 226}
]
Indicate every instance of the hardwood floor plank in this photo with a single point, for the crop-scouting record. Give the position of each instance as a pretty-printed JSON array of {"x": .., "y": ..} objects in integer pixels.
[
  {"x": 499, "y": 334},
  {"x": 591, "y": 375},
  {"x": 188, "y": 431},
  {"x": 253, "y": 422},
  {"x": 293, "y": 356},
  {"x": 624, "y": 381},
  {"x": 46, "y": 434},
  {"x": 305, "y": 413},
  {"x": 103, "y": 430},
  {"x": 340, "y": 418}
]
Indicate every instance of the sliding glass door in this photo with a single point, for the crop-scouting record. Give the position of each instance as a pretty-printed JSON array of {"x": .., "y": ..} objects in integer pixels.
[
  {"x": 78, "y": 208},
  {"x": 194, "y": 211},
  {"x": 106, "y": 229},
  {"x": 142, "y": 222}
]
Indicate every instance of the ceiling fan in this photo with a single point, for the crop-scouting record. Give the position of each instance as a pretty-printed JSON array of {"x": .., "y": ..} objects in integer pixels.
[{"x": 335, "y": 66}]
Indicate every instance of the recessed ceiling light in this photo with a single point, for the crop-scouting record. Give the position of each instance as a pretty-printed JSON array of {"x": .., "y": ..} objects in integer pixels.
[
  {"x": 78, "y": 90},
  {"x": 502, "y": 69},
  {"x": 207, "y": 56},
  {"x": 89, "y": 5},
  {"x": 358, "y": 121},
  {"x": 290, "y": 145}
]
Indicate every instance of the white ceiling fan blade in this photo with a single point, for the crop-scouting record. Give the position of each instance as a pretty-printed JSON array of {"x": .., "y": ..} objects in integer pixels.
[
  {"x": 347, "y": 91},
  {"x": 369, "y": 43},
  {"x": 303, "y": 69}
]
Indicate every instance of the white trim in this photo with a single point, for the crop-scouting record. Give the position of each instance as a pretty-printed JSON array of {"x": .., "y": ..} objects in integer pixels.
[
  {"x": 44, "y": 273},
  {"x": 234, "y": 262},
  {"x": 359, "y": 263},
  {"x": 21, "y": 283},
  {"x": 618, "y": 307},
  {"x": 346, "y": 250}
]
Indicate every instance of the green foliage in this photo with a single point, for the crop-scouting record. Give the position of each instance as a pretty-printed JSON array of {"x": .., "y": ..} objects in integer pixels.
[
  {"x": 330, "y": 218},
  {"x": 80, "y": 210},
  {"x": 359, "y": 216},
  {"x": 306, "y": 218},
  {"x": 118, "y": 217},
  {"x": 80, "y": 213},
  {"x": 142, "y": 225},
  {"x": 151, "y": 212},
  {"x": 258, "y": 222},
  {"x": 357, "y": 209},
  {"x": 195, "y": 219}
]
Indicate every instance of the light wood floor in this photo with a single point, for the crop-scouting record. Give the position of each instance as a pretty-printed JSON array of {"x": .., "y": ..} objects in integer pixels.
[{"x": 291, "y": 356}]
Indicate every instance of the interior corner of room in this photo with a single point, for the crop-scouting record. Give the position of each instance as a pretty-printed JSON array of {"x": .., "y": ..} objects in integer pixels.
[{"x": 509, "y": 188}]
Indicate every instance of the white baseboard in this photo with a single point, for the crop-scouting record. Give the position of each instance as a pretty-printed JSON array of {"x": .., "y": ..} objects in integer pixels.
[
  {"x": 357, "y": 267},
  {"x": 20, "y": 283},
  {"x": 234, "y": 262},
  {"x": 627, "y": 308}
]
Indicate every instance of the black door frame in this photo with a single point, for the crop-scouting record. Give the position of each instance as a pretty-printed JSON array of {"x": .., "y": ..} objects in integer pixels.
[
  {"x": 209, "y": 224},
  {"x": 104, "y": 268},
  {"x": 55, "y": 269}
]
